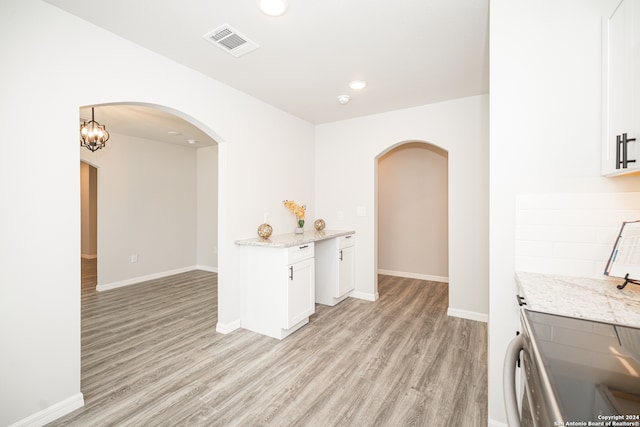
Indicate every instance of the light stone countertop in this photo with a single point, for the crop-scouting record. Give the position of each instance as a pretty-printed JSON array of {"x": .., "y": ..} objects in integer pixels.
[
  {"x": 292, "y": 239},
  {"x": 586, "y": 298}
]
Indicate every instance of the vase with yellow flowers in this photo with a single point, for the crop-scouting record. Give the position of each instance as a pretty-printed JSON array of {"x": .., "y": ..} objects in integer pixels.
[{"x": 298, "y": 211}]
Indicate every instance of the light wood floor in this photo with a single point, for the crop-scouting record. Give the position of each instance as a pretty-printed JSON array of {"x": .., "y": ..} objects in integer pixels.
[{"x": 151, "y": 357}]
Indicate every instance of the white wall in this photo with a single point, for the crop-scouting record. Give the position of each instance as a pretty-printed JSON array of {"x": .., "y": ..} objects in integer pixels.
[
  {"x": 545, "y": 134},
  {"x": 208, "y": 208},
  {"x": 346, "y": 162},
  {"x": 265, "y": 156},
  {"x": 147, "y": 206},
  {"x": 412, "y": 212}
]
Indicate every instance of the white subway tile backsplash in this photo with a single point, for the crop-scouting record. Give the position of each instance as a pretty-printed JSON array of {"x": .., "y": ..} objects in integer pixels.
[
  {"x": 536, "y": 217},
  {"x": 585, "y": 217},
  {"x": 626, "y": 216},
  {"x": 623, "y": 201},
  {"x": 607, "y": 235},
  {"x": 598, "y": 268},
  {"x": 580, "y": 251},
  {"x": 535, "y": 232},
  {"x": 535, "y": 264},
  {"x": 572, "y": 267},
  {"x": 533, "y": 248},
  {"x": 570, "y": 234}
]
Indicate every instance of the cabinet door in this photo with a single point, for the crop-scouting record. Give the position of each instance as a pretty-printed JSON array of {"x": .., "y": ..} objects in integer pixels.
[
  {"x": 300, "y": 292},
  {"x": 621, "y": 86},
  {"x": 347, "y": 270}
]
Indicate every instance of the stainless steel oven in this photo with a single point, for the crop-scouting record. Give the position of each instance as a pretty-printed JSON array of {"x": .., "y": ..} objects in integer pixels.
[{"x": 575, "y": 372}]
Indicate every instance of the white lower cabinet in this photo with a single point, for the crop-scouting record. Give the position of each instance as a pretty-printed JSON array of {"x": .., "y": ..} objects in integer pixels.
[
  {"x": 300, "y": 293},
  {"x": 335, "y": 269},
  {"x": 278, "y": 283},
  {"x": 283, "y": 277}
]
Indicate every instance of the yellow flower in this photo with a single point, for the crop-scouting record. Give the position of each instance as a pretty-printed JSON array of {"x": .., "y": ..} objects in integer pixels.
[{"x": 295, "y": 209}]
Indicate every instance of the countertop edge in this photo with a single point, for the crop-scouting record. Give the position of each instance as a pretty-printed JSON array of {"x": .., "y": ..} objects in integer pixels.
[{"x": 292, "y": 239}]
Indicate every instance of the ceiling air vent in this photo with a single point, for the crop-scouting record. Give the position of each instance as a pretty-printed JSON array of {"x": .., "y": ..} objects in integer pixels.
[{"x": 230, "y": 40}]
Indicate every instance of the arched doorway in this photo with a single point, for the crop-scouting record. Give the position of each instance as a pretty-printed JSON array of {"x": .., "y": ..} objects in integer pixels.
[
  {"x": 158, "y": 194},
  {"x": 157, "y": 203},
  {"x": 412, "y": 211}
]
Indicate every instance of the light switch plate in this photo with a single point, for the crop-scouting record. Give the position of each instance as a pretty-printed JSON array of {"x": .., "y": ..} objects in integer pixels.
[{"x": 362, "y": 211}]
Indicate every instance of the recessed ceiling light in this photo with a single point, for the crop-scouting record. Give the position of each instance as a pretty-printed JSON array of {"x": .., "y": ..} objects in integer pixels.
[
  {"x": 174, "y": 132},
  {"x": 357, "y": 84},
  {"x": 192, "y": 141},
  {"x": 273, "y": 7},
  {"x": 343, "y": 99}
]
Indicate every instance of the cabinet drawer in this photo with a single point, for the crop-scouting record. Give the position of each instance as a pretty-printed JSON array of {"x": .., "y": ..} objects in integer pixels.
[
  {"x": 346, "y": 241},
  {"x": 300, "y": 252}
]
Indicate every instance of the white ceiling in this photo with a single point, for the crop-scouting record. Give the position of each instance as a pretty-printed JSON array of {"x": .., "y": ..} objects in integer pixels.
[
  {"x": 411, "y": 52},
  {"x": 148, "y": 123}
]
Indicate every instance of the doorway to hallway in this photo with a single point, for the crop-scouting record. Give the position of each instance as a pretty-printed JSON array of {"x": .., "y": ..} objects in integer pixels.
[
  {"x": 88, "y": 224},
  {"x": 412, "y": 212}
]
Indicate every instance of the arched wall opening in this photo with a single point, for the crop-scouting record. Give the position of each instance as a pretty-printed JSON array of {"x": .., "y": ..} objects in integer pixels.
[
  {"x": 157, "y": 198},
  {"x": 412, "y": 211}
]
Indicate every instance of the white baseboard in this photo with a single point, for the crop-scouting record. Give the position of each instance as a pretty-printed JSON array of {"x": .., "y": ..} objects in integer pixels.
[
  {"x": 135, "y": 280},
  {"x": 418, "y": 276},
  {"x": 207, "y": 268},
  {"x": 471, "y": 315},
  {"x": 365, "y": 296},
  {"x": 494, "y": 423},
  {"x": 52, "y": 413},
  {"x": 225, "y": 328},
  {"x": 88, "y": 256}
]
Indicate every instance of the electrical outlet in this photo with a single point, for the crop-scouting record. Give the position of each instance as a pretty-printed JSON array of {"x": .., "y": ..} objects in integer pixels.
[
  {"x": 340, "y": 215},
  {"x": 134, "y": 258}
]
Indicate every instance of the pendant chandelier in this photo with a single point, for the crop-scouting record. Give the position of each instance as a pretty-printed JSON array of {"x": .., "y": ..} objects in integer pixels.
[{"x": 93, "y": 135}]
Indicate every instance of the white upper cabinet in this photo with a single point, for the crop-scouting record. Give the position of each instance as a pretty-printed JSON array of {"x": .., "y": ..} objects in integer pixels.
[{"x": 621, "y": 90}]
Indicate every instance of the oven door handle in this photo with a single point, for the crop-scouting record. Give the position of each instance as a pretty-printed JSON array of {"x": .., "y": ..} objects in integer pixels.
[{"x": 509, "y": 381}]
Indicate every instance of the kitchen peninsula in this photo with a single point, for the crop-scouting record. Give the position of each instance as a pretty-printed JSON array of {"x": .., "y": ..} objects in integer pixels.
[{"x": 283, "y": 277}]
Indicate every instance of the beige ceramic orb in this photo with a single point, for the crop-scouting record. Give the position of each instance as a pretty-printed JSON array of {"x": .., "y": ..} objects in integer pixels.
[
  {"x": 319, "y": 224},
  {"x": 264, "y": 231}
]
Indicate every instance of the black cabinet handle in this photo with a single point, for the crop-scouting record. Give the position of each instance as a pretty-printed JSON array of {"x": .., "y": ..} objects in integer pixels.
[
  {"x": 291, "y": 272},
  {"x": 340, "y": 254},
  {"x": 622, "y": 143},
  {"x": 518, "y": 361},
  {"x": 618, "y": 143},
  {"x": 302, "y": 247},
  {"x": 348, "y": 237},
  {"x": 521, "y": 300}
]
